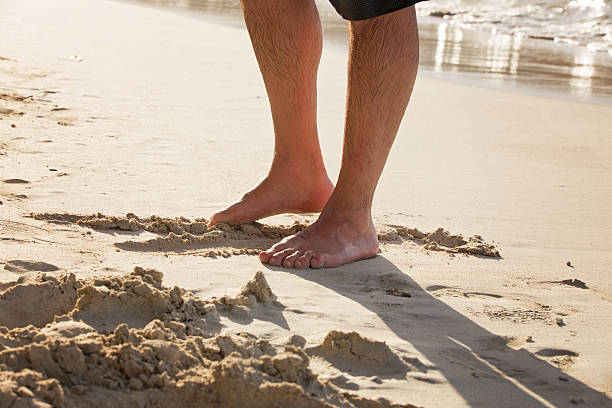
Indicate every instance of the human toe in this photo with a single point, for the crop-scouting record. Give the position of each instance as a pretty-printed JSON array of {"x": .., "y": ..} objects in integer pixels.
[
  {"x": 277, "y": 258},
  {"x": 265, "y": 256},
  {"x": 290, "y": 259},
  {"x": 216, "y": 218},
  {"x": 317, "y": 260},
  {"x": 303, "y": 261}
]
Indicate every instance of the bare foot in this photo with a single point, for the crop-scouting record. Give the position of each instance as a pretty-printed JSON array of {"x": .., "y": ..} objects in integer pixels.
[
  {"x": 333, "y": 240},
  {"x": 284, "y": 190}
]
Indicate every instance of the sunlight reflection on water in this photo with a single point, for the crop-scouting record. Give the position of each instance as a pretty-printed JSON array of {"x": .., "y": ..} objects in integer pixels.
[{"x": 451, "y": 51}]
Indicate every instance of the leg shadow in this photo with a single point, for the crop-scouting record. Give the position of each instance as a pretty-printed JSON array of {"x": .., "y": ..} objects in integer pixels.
[{"x": 478, "y": 364}]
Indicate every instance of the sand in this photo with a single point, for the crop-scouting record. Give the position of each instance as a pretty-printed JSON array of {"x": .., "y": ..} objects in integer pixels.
[
  {"x": 492, "y": 286},
  {"x": 182, "y": 235},
  {"x": 130, "y": 341}
]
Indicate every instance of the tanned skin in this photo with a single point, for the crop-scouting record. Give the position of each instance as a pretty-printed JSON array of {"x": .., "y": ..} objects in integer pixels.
[{"x": 383, "y": 60}]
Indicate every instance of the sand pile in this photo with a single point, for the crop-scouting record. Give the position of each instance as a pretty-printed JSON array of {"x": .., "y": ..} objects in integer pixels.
[
  {"x": 440, "y": 240},
  {"x": 351, "y": 352},
  {"x": 130, "y": 341},
  {"x": 184, "y": 235},
  {"x": 195, "y": 238},
  {"x": 36, "y": 302},
  {"x": 176, "y": 226}
]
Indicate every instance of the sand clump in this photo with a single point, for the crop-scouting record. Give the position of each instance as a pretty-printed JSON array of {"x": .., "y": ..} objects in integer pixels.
[
  {"x": 38, "y": 301},
  {"x": 130, "y": 341},
  {"x": 441, "y": 240},
  {"x": 350, "y": 352},
  {"x": 353, "y": 346}
]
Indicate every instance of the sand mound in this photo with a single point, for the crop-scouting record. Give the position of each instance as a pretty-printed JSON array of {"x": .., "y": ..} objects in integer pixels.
[
  {"x": 130, "y": 341},
  {"x": 177, "y": 226},
  {"x": 223, "y": 240},
  {"x": 350, "y": 352},
  {"x": 37, "y": 301},
  {"x": 183, "y": 235},
  {"x": 440, "y": 240}
]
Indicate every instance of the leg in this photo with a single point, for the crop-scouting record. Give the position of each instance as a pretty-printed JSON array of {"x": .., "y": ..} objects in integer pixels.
[
  {"x": 381, "y": 73},
  {"x": 286, "y": 37}
]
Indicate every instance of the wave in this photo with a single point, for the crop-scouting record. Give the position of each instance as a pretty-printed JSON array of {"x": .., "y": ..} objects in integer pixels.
[{"x": 580, "y": 22}]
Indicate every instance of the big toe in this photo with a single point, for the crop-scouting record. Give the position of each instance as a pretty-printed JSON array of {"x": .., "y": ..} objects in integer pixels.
[
  {"x": 264, "y": 256},
  {"x": 219, "y": 217},
  {"x": 214, "y": 219},
  {"x": 236, "y": 213}
]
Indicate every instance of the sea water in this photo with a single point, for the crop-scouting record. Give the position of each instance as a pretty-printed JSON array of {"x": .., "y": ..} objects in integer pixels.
[
  {"x": 559, "y": 48},
  {"x": 579, "y": 22}
]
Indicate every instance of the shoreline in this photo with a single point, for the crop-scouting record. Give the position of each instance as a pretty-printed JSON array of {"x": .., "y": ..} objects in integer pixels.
[
  {"x": 467, "y": 79},
  {"x": 568, "y": 68}
]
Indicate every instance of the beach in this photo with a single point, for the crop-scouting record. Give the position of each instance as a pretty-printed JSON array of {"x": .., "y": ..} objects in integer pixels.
[{"x": 124, "y": 127}]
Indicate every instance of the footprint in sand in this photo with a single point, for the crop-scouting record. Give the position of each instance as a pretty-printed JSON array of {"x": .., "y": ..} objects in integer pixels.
[
  {"x": 441, "y": 290},
  {"x": 16, "y": 197},
  {"x": 553, "y": 352},
  {"x": 577, "y": 283},
  {"x": 502, "y": 343},
  {"x": 562, "y": 358},
  {"x": 21, "y": 266},
  {"x": 390, "y": 285},
  {"x": 8, "y": 112},
  {"x": 397, "y": 292},
  {"x": 15, "y": 181},
  {"x": 519, "y": 315}
]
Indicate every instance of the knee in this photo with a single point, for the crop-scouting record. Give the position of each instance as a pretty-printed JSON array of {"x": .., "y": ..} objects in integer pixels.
[{"x": 402, "y": 17}]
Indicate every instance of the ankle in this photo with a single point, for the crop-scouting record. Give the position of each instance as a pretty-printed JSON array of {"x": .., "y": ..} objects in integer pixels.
[
  {"x": 353, "y": 203},
  {"x": 304, "y": 169},
  {"x": 360, "y": 220}
]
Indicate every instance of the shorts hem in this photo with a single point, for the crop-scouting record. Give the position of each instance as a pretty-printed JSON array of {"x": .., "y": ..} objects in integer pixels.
[{"x": 357, "y": 10}]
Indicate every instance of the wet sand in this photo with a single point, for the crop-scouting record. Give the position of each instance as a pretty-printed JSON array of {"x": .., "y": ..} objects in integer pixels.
[
  {"x": 452, "y": 52},
  {"x": 123, "y": 128}
]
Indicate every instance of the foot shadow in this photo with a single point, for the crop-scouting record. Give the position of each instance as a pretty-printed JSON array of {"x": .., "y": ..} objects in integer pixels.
[{"x": 484, "y": 375}]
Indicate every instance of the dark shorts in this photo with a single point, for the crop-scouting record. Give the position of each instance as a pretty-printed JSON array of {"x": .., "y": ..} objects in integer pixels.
[{"x": 363, "y": 9}]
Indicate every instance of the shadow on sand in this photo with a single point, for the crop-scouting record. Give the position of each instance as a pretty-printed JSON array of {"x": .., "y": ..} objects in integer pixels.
[{"x": 477, "y": 363}]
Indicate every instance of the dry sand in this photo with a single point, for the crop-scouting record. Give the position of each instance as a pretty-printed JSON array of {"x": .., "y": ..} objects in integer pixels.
[
  {"x": 129, "y": 341},
  {"x": 194, "y": 237},
  {"x": 109, "y": 109}
]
